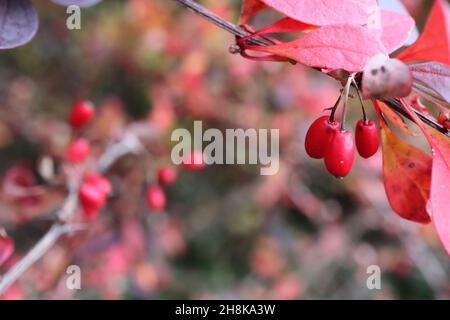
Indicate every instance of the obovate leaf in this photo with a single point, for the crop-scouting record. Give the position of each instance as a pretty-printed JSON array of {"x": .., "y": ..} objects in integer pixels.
[
  {"x": 326, "y": 12},
  {"x": 440, "y": 179},
  {"x": 395, "y": 29},
  {"x": 406, "y": 176},
  {"x": 347, "y": 47}
]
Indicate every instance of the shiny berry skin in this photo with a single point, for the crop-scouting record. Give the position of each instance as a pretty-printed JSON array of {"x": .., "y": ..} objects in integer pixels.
[
  {"x": 81, "y": 114},
  {"x": 91, "y": 196},
  {"x": 319, "y": 136},
  {"x": 167, "y": 175},
  {"x": 6, "y": 247},
  {"x": 194, "y": 161},
  {"x": 367, "y": 138},
  {"x": 156, "y": 198},
  {"x": 99, "y": 182},
  {"x": 78, "y": 150},
  {"x": 340, "y": 154}
]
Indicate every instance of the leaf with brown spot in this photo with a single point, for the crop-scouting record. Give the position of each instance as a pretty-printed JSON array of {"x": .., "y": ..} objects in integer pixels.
[{"x": 406, "y": 175}]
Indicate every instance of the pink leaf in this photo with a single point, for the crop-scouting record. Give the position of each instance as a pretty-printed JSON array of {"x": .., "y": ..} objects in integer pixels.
[
  {"x": 440, "y": 187},
  {"x": 434, "y": 75},
  {"x": 286, "y": 25},
  {"x": 434, "y": 42},
  {"x": 440, "y": 178},
  {"x": 395, "y": 29},
  {"x": 326, "y": 12},
  {"x": 344, "y": 46}
]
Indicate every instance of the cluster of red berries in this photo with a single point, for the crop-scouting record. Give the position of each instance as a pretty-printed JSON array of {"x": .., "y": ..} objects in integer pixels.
[
  {"x": 156, "y": 197},
  {"x": 95, "y": 188},
  {"x": 167, "y": 175},
  {"x": 326, "y": 140},
  {"x": 81, "y": 114}
]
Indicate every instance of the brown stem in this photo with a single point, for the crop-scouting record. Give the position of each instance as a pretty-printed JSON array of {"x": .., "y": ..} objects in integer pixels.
[
  {"x": 223, "y": 24},
  {"x": 241, "y": 32}
]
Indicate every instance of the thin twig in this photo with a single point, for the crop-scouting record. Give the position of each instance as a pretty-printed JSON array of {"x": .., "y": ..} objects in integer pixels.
[
  {"x": 223, "y": 24},
  {"x": 241, "y": 32},
  {"x": 129, "y": 144}
]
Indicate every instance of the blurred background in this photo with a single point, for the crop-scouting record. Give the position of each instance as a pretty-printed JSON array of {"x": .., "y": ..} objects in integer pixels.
[{"x": 228, "y": 232}]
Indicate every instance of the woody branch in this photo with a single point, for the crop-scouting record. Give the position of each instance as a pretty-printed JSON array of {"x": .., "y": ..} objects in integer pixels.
[{"x": 129, "y": 144}]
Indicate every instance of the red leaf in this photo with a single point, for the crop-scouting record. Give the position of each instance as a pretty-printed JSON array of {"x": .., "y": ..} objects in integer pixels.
[
  {"x": 434, "y": 75},
  {"x": 395, "y": 118},
  {"x": 440, "y": 187},
  {"x": 249, "y": 8},
  {"x": 440, "y": 179},
  {"x": 434, "y": 43},
  {"x": 344, "y": 46},
  {"x": 395, "y": 29},
  {"x": 326, "y": 12},
  {"x": 285, "y": 25},
  {"x": 406, "y": 175},
  {"x": 282, "y": 25}
]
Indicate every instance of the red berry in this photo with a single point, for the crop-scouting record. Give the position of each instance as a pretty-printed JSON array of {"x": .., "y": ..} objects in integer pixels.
[
  {"x": 194, "y": 161},
  {"x": 156, "y": 198},
  {"x": 90, "y": 212},
  {"x": 78, "y": 150},
  {"x": 99, "y": 182},
  {"x": 319, "y": 136},
  {"x": 167, "y": 175},
  {"x": 91, "y": 196},
  {"x": 367, "y": 138},
  {"x": 340, "y": 154},
  {"x": 82, "y": 112},
  {"x": 6, "y": 247}
]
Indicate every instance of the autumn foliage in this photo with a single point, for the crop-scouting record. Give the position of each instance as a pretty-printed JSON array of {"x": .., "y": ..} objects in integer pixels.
[{"x": 352, "y": 98}]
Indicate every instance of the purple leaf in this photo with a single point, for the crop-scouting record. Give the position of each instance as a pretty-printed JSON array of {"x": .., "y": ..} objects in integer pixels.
[
  {"x": 81, "y": 3},
  {"x": 18, "y": 23}
]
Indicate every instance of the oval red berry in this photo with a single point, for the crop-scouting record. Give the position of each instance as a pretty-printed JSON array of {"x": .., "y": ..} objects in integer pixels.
[
  {"x": 367, "y": 138},
  {"x": 167, "y": 175},
  {"x": 78, "y": 150},
  {"x": 81, "y": 114},
  {"x": 156, "y": 198},
  {"x": 340, "y": 154},
  {"x": 319, "y": 136},
  {"x": 91, "y": 196}
]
